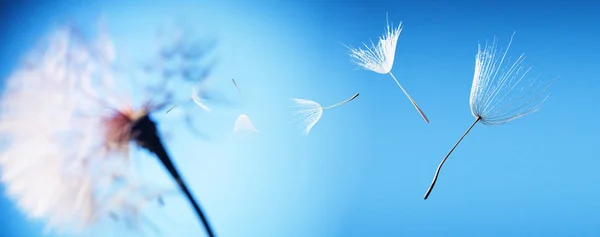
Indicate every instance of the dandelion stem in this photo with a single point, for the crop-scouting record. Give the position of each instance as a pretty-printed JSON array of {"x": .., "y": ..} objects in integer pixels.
[
  {"x": 147, "y": 137},
  {"x": 343, "y": 102},
  {"x": 437, "y": 172},
  {"x": 411, "y": 100}
]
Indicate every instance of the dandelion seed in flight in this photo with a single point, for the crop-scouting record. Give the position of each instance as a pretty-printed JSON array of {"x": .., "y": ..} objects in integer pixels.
[
  {"x": 198, "y": 97},
  {"x": 380, "y": 58},
  {"x": 501, "y": 92},
  {"x": 243, "y": 121},
  {"x": 244, "y": 124},
  {"x": 311, "y": 112}
]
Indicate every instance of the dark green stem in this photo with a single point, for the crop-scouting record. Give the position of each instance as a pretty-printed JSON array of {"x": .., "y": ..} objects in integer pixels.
[{"x": 146, "y": 135}]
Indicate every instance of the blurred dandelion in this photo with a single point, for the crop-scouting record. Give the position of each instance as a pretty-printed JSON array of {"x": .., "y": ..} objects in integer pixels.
[
  {"x": 123, "y": 206},
  {"x": 380, "y": 58},
  {"x": 311, "y": 111},
  {"x": 66, "y": 160},
  {"x": 501, "y": 92}
]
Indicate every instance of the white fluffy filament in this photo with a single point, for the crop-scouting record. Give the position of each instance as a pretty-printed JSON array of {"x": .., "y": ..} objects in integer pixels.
[
  {"x": 310, "y": 113},
  {"x": 378, "y": 58},
  {"x": 503, "y": 91}
]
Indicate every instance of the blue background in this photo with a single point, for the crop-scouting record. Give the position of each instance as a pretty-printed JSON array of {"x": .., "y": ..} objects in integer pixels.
[{"x": 365, "y": 166}]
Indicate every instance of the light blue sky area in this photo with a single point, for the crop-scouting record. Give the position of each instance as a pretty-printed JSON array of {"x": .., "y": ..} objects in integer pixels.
[{"x": 364, "y": 168}]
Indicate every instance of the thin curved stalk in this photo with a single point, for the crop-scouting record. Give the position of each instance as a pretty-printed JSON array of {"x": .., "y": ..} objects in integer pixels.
[
  {"x": 147, "y": 137},
  {"x": 437, "y": 172},
  {"x": 343, "y": 102},
  {"x": 411, "y": 100}
]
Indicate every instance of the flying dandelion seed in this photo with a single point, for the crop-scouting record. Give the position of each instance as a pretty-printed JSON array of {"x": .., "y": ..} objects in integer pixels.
[
  {"x": 243, "y": 121},
  {"x": 380, "y": 58},
  {"x": 501, "y": 92},
  {"x": 198, "y": 97},
  {"x": 80, "y": 134},
  {"x": 311, "y": 112}
]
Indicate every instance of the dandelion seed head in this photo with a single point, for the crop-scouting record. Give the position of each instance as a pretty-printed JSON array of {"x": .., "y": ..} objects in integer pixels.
[
  {"x": 378, "y": 58},
  {"x": 503, "y": 91},
  {"x": 47, "y": 179},
  {"x": 66, "y": 130},
  {"x": 310, "y": 113}
]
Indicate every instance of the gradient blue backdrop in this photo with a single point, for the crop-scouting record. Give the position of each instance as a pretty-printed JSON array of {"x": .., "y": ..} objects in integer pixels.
[{"x": 364, "y": 168}]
